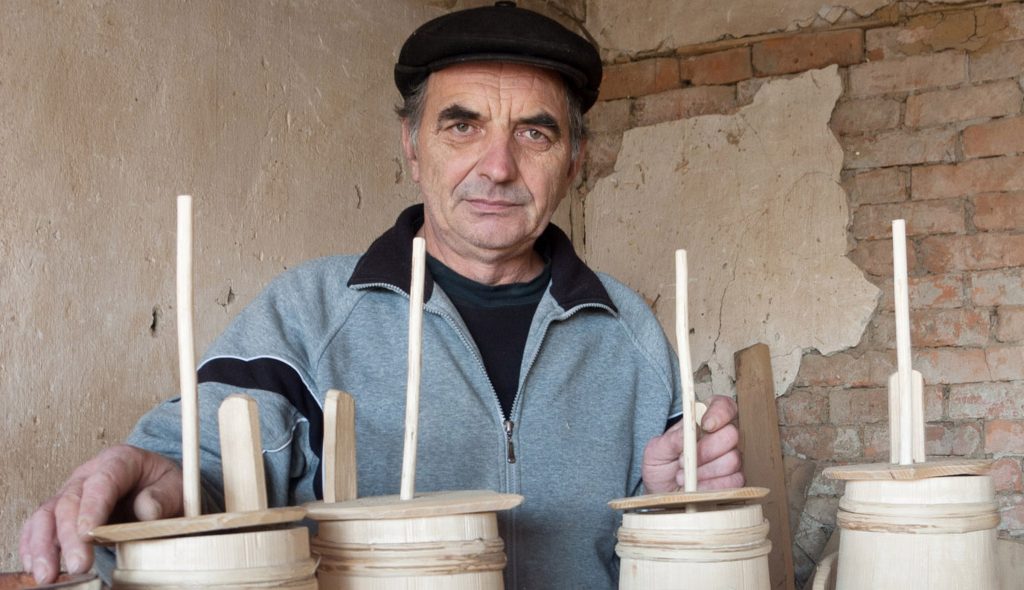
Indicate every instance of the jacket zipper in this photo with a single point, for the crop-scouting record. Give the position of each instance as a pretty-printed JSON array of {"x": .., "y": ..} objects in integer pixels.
[{"x": 509, "y": 445}]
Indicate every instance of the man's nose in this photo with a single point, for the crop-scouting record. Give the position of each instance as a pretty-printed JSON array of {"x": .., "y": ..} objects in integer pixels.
[{"x": 498, "y": 162}]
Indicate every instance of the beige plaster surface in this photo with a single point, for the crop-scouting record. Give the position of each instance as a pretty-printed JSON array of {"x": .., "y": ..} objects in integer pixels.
[
  {"x": 755, "y": 200},
  {"x": 651, "y": 26},
  {"x": 276, "y": 116}
]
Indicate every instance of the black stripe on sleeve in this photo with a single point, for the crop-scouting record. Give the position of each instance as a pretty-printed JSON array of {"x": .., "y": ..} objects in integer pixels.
[{"x": 278, "y": 377}]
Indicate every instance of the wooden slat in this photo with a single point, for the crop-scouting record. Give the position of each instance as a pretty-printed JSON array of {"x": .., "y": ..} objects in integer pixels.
[
  {"x": 340, "y": 478},
  {"x": 762, "y": 454},
  {"x": 913, "y": 471},
  {"x": 245, "y": 482}
]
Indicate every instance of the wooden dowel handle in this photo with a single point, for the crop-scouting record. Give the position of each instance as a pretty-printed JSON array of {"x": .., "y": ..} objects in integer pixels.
[
  {"x": 686, "y": 376},
  {"x": 241, "y": 452},
  {"x": 412, "y": 398},
  {"x": 187, "y": 362},
  {"x": 903, "y": 360},
  {"x": 339, "y": 453}
]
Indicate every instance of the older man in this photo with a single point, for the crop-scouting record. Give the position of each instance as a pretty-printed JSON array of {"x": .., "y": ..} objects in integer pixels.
[{"x": 540, "y": 377}]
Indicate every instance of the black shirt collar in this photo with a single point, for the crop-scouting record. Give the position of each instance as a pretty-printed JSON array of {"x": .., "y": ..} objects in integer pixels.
[{"x": 388, "y": 261}]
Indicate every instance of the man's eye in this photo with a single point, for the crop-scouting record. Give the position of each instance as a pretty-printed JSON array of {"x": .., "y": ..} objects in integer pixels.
[
  {"x": 462, "y": 127},
  {"x": 535, "y": 135}
]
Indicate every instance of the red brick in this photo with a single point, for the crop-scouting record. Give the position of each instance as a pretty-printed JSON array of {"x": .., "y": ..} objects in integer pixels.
[
  {"x": 747, "y": 89},
  {"x": 609, "y": 116},
  {"x": 1000, "y": 62},
  {"x": 962, "y": 104},
  {"x": 952, "y": 365},
  {"x": 999, "y": 211},
  {"x": 639, "y": 78},
  {"x": 1006, "y": 363},
  {"x": 989, "y": 175},
  {"x": 958, "y": 440},
  {"x": 876, "y": 441},
  {"x": 723, "y": 67},
  {"x": 892, "y": 148},
  {"x": 883, "y": 185},
  {"x": 812, "y": 442},
  {"x": 1002, "y": 287},
  {"x": 683, "y": 103},
  {"x": 1006, "y": 474},
  {"x": 924, "y": 34},
  {"x": 1004, "y": 436},
  {"x": 869, "y": 114},
  {"x": 912, "y": 73},
  {"x": 923, "y": 218},
  {"x": 847, "y": 444},
  {"x": 1005, "y": 136},
  {"x": 799, "y": 53},
  {"x": 875, "y": 256},
  {"x": 858, "y": 406},
  {"x": 983, "y": 251},
  {"x": 1010, "y": 325},
  {"x": 949, "y": 327},
  {"x": 803, "y": 406},
  {"x": 990, "y": 401},
  {"x": 869, "y": 370},
  {"x": 929, "y": 291}
]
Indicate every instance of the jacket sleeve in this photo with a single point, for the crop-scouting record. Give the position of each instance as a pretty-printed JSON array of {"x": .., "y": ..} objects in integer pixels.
[{"x": 268, "y": 352}]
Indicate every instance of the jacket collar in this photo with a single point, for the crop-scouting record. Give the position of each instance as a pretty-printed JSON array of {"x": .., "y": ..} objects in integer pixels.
[{"x": 388, "y": 262}]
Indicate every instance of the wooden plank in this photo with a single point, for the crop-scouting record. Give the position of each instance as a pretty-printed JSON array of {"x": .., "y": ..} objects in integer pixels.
[
  {"x": 339, "y": 452},
  {"x": 179, "y": 527},
  {"x": 668, "y": 500},
  {"x": 1009, "y": 563},
  {"x": 426, "y": 504},
  {"x": 913, "y": 471},
  {"x": 245, "y": 480},
  {"x": 762, "y": 455}
]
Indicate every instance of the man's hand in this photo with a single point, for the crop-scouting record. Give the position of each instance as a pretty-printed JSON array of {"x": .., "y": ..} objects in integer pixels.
[
  {"x": 123, "y": 482},
  {"x": 718, "y": 459}
]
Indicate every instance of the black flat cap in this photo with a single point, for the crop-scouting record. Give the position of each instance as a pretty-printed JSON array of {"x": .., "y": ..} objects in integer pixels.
[{"x": 502, "y": 32}]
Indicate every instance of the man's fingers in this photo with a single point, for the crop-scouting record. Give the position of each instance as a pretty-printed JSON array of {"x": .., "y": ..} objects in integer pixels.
[
  {"x": 727, "y": 464},
  {"x": 76, "y": 552},
  {"x": 162, "y": 499},
  {"x": 721, "y": 411},
  {"x": 736, "y": 480},
  {"x": 667, "y": 447},
  {"x": 116, "y": 474},
  {"x": 39, "y": 551},
  {"x": 715, "y": 444}
]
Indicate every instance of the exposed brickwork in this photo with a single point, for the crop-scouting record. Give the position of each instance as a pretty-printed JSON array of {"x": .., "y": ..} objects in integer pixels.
[
  {"x": 983, "y": 251},
  {"x": 609, "y": 116},
  {"x": 923, "y": 218},
  {"x": 803, "y": 407},
  {"x": 870, "y": 114},
  {"x": 999, "y": 211},
  {"x": 856, "y": 406},
  {"x": 964, "y": 439},
  {"x": 968, "y": 178},
  {"x": 913, "y": 73},
  {"x": 883, "y": 185},
  {"x": 952, "y": 365},
  {"x": 1010, "y": 326},
  {"x": 639, "y": 78},
  {"x": 893, "y": 148},
  {"x": 1006, "y": 475},
  {"x": 1002, "y": 62},
  {"x": 788, "y": 55},
  {"x": 682, "y": 103},
  {"x": 1004, "y": 436},
  {"x": 723, "y": 67},
  {"x": 961, "y": 104},
  {"x": 992, "y": 401},
  {"x": 1005, "y": 136},
  {"x": 1001, "y": 287}
]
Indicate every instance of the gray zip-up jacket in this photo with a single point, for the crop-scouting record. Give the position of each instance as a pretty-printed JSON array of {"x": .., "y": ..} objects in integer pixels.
[{"x": 598, "y": 380}]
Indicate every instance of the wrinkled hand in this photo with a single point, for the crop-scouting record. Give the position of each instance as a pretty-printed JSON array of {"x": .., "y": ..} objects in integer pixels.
[
  {"x": 718, "y": 459},
  {"x": 121, "y": 482}
]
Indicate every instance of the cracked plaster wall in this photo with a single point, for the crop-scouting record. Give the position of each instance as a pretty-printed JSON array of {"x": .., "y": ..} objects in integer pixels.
[
  {"x": 276, "y": 116},
  {"x": 754, "y": 198}
]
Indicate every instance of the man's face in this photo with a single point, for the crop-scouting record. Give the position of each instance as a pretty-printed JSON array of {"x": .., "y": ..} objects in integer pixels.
[{"x": 492, "y": 159}]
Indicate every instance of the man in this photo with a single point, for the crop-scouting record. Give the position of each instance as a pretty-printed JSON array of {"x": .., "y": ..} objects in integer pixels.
[{"x": 540, "y": 377}]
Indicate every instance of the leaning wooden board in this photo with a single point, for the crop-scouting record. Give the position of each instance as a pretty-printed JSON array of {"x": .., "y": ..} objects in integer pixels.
[{"x": 762, "y": 455}]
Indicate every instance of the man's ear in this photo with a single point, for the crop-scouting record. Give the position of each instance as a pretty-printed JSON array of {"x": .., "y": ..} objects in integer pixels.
[{"x": 410, "y": 151}]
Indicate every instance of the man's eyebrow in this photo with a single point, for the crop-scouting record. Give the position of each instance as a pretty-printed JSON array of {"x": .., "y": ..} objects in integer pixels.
[
  {"x": 543, "y": 119},
  {"x": 456, "y": 112}
]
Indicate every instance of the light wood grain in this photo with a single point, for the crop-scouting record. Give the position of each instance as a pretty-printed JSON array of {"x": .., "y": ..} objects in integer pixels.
[
  {"x": 179, "y": 527},
  {"x": 884, "y": 471},
  {"x": 761, "y": 448},
  {"x": 681, "y": 498},
  {"x": 187, "y": 362},
  {"x": 686, "y": 375},
  {"x": 917, "y": 419},
  {"x": 339, "y": 452},
  {"x": 723, "y": 548},
  {"x": 424, "y": 504},
  {"x": 245, "y": 483},
  {"x": 902, "y": 304},
  {"x": 412, "y": 396},
  {"x": 1010, "y": 563}
]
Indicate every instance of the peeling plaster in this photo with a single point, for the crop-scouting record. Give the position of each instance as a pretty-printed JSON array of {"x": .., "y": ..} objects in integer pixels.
[
  {"x": 630, "y": 28},
  {"x": 732, "y": 190}
]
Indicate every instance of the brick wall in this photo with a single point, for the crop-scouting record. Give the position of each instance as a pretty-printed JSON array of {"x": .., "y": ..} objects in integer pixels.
[{"x": 932, "y": 127}]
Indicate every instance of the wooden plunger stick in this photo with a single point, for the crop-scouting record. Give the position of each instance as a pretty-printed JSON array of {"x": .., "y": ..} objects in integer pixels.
[
  {"x": 340, "y": 476},
  {"x": 902, "y": 300},
  {"x": 245, "y": 480},
  {"x": 187, "y": 362},
  {"x": 686, "y": 375},
  {"x": 412, "y": 388}
]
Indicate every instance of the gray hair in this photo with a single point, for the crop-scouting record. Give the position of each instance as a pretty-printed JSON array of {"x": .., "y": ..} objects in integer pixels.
[{"x": 411, "y": 111}]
